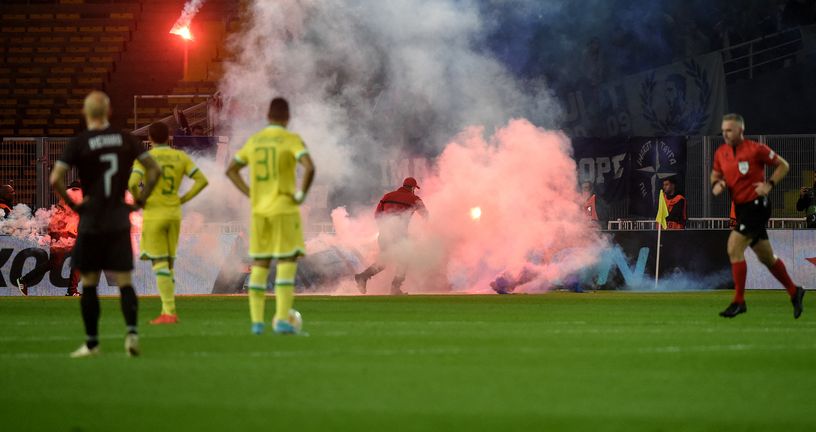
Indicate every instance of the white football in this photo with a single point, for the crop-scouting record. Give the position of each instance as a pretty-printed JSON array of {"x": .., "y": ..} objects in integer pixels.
[{"x": 296, "y": 320}]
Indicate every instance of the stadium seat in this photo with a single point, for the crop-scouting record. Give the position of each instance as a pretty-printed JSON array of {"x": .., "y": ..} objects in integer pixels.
[
  {"x": 25, "y": 92},
  {"x": 55, "y": 91},
  {"x": 67, "y": 121},
  {"x": 31, "y": 131},
  {"x": 60, "y": 132},
  {"x": 27, "y": 81}
]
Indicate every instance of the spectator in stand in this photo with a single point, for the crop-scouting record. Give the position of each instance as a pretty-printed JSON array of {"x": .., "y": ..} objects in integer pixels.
[
  {"x": 589, "y": 197},
  {"x": 595, "y": 63},
  {"x": 197, "y": 130},
  {"x": 676, "y": 204},
  {"x": 6, "y": 199},
  {"x": 181, "y": 121},
  {"x": 594, "y": 206},
  {"x": 807, "y": 204},
  {"x": 214, "y": 106}
]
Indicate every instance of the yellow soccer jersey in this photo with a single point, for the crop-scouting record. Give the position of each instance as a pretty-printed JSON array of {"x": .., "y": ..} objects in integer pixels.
[
  {"x": 272, "y": 156},
  {"x": 164, "y": 202}
]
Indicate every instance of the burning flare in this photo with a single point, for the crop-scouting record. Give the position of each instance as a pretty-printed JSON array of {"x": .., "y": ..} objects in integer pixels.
[
  {"x": 184, "y": 32},
  {"x": 476, "y": 213},
  {"x": 182, "y": 25}
]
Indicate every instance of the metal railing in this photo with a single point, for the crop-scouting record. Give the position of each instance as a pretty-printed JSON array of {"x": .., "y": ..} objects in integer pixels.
[
  {"x": 798, "y": 150},
  {"x": 197, "y": 114},
  {"x": 743, "y": 60},
  {"x": 26, "y": 162},
  {"x": 702, "y": 224}
]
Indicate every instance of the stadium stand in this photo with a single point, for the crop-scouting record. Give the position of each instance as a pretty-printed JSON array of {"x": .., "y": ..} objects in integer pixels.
[{"x": 53, "y": 54}]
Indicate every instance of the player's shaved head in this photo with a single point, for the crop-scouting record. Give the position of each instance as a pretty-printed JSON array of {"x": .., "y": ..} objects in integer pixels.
[
  {"x": 96, "y": 105},
  {"x": 278, "y": 110}
]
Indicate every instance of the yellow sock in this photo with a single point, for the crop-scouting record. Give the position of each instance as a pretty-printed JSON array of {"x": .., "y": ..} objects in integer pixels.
[
  {"x": 164, "y": 282},
  {"x": 257, "y": 293},
  {"x": 284, "y": 289}
]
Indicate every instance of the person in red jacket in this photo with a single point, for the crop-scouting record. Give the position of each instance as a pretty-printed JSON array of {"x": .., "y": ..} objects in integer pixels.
[
  {"x": 676, "y": 204},
  {"x": 739, "y": 165},
  {"x": 393, "y": 216},
  {"x": 62, "y": 228},
  {"x": 6, "y": 200},
  {"x": 590, "y": 199}
]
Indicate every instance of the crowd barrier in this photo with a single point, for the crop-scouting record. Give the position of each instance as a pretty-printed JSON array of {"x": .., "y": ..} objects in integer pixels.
[{"x": 216, "y": 264}]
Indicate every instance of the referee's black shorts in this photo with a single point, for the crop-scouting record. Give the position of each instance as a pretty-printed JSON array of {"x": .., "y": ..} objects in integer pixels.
[
  {"x": 103, "y": 251},
  {"x": 752, "y": 219}
]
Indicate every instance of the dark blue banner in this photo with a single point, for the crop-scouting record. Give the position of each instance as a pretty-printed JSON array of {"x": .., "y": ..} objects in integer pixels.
[
  {"x": 654, "y": 159},
  {"x": 604, "y": 162},
  {"x": 631, "y": 168}
]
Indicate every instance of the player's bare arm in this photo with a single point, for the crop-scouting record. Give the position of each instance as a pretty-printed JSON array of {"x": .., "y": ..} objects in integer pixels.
[
  {"x": 234, "y": 174},
  {"x": 199, "y": 185},
  {"x": 308, "y": 177},
  {"x": 781, "y": 170},
  {"x": 152, "y": 173},
  {"x": 717, "y": 183},
  {"x": 135, "y": 182}
]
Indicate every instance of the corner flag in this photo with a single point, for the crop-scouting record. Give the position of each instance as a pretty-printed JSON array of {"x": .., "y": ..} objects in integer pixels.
[{"x": 662, "y": 211}]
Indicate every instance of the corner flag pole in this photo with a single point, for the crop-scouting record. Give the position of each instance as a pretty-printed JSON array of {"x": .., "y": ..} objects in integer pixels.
[
  {"x": 657, "y": 261},
  {"x": 662, "y": 212}
]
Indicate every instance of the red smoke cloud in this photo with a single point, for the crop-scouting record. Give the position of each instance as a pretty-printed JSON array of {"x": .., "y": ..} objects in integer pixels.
[{"x": 523, "y": 180}]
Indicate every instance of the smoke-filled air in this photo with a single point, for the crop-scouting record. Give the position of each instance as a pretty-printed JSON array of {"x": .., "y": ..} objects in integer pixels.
[{"x": 374, "y": 82}]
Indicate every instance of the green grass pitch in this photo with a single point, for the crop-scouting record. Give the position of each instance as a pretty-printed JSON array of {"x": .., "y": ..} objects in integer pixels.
[{"x": 558, "y": 361}]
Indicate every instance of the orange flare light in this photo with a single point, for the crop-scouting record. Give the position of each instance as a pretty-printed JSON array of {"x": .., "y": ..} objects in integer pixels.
[
  {"x": 184, "y": 32},
  {"x": 476, "y": 213}
]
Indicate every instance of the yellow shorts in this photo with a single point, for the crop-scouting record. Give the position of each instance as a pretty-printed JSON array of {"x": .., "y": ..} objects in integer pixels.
[
  {"x": 277, "y": 236},
  {"x": 159, "y": 238}
]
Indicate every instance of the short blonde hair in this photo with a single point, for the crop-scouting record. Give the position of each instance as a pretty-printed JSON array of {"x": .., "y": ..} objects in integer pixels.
[{"x": 736, "y": 118}]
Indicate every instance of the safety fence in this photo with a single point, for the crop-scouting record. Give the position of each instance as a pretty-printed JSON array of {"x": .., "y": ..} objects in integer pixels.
[
  {"x": 770, "y": 52},
  {"x": 703, "y": 224},
  {"x": 26, "y": 162},
  {"x": 798, "y": 150},
  {"x": 196, "y": 115}
]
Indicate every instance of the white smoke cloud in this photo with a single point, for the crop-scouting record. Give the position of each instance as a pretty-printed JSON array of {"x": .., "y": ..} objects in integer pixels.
[{"x": 371, "y": 81}]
